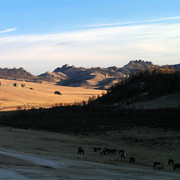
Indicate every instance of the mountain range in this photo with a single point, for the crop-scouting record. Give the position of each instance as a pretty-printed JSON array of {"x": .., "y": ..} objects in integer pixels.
[{"x": 95, "y": 77}]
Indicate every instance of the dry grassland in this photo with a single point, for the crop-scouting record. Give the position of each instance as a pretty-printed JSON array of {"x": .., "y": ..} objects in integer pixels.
[
  {"x": 168, "y": 101},
  {"x": 40, "y": 94},
  {"x": 27, "y": 154}
]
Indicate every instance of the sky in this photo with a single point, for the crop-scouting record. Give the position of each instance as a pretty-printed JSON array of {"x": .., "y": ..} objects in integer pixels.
[{"x": 41, "y": 35}]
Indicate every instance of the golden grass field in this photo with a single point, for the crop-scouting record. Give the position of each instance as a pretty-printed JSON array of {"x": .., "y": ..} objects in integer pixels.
[{"x": 40, "y": 94}]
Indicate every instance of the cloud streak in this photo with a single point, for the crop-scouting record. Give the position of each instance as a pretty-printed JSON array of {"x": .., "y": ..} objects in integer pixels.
[
  {"x": 166, "y": 19},
  {"x": 8, "y": 30}
]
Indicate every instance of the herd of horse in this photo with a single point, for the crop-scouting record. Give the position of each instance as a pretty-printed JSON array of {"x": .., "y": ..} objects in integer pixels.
[{"x": 156, "y": 165}]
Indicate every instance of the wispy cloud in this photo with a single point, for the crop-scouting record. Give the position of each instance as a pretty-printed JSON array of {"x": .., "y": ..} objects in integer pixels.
[
  {"x": 166, "y": 19},
  {"x": 8, "y": 30},
  {"x": 105, "y": 46}
]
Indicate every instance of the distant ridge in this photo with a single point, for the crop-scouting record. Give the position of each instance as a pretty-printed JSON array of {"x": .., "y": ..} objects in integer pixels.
[
  {"x": 14, "y": 73},
  {"x": 95, "y": 77},
  {"x": 100, "y": 78}
]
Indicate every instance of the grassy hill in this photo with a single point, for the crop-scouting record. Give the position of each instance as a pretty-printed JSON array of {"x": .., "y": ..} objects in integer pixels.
[{"x": 143, "y": 86}]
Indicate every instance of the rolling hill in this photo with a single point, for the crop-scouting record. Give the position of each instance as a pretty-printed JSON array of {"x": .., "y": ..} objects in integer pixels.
[
  {"x": 94, "y": 78},
  {"x": 155, "y": 88}
]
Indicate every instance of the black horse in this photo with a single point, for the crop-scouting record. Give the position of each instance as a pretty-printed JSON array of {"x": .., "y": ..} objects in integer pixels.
[
  {"x": 80, "y": 151},
  {"x": 158, "y": 166},
  {"x": 156, "y": 163},
  {"x": 123, "y": 156},
  {"x": 176, "y": 167},
  {"x": 97, "y": 149},
  {"x": 170, "y": 162}
]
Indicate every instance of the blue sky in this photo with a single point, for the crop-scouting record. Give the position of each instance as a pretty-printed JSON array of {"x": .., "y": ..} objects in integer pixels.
[{"x": 41, "y": 35}]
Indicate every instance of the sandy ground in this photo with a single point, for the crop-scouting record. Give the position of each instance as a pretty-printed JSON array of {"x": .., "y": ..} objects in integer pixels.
[
  {"x": 40, "y": 94},
  {"x": 27, "y": 154}
]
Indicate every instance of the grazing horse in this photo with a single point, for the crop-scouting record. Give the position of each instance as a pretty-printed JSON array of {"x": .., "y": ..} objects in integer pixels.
[
  {"x": 156, "y": 163},
  {"x": 123, "y": 156},
  {"x": 113, "y": 151},
  {"x": 97, "y": 149},
  {"x": 80, "y": 151},
  {"x": 176, "y": 166},
  {"x": 170, "y": 162},
  {"x": 131, "y": 159},
  {"x": 121, "y": 152},
  {"x": 158, "y": 166},
  {"x": 108, "y": 151},
  {"x": 103, "y": 152}
]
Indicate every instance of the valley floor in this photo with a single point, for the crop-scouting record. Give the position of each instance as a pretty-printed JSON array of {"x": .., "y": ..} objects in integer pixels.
[
  {"x": 16, "y": 95},
  {"x": 28, "y": 154}
]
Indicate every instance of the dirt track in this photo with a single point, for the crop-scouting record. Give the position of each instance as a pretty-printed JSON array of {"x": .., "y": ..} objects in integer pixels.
[
  {"x": 26, "y": 154},
  {"x": 63, "y": 168}
]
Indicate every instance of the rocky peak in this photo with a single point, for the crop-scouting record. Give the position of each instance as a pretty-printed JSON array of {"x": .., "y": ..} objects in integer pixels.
[
  {"x": 138, "y": 64},
  {"x": 65, "y": 66},
  {"x": 19, "y": 73}
]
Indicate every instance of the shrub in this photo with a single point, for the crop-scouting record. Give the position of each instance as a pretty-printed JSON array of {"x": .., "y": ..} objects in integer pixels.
[{"x": 57, "y": 92}]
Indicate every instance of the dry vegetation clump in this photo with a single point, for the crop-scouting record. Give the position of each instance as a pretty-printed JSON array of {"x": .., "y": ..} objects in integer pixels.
[
  {"x": 78, "y": 118},
  {"x": 58, "y": 93}
]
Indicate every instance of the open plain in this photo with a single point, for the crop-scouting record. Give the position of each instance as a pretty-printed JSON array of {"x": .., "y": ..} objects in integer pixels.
[
  {"x": 26, "y": 95},
  {"x": 28, "y": 154}
]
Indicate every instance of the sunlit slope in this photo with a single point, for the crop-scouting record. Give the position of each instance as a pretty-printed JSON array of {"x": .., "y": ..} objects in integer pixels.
[{"x": 12, "y": 94}]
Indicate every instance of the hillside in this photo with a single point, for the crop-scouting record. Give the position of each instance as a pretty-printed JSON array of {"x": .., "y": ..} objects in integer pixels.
[
  {"x": 94, "y": 77},
  {"x": 146, "y": 87},
  {"x": 99, "y": 78},
  {"x": 14, "y": 73}
]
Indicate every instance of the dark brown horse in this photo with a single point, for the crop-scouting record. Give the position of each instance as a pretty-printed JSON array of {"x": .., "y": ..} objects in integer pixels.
[
  {"x": 113, "y": 151},
  {"x": 80, "y": 151},
  {"x": 103, "y": 152},
  {"x": 131, "y": 159}
]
